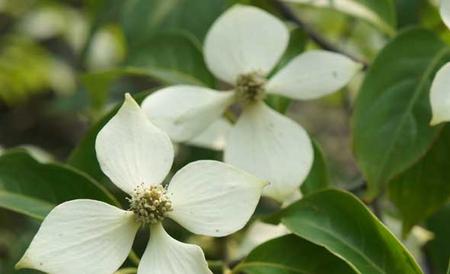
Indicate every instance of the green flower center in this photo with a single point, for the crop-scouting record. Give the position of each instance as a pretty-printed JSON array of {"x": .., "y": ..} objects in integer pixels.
[
  {"x": 150, "y": 205},
  {"x": 250, "y": 87}
]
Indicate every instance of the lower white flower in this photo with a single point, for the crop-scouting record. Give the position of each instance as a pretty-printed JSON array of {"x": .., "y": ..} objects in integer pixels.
[
  {"x": 92, "y": 237},
  {"x": 258, "y": 233},
  {"x": 241, "y": 49}
]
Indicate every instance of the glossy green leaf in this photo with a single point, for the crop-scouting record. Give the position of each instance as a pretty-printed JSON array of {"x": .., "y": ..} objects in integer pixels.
[
  {"x": 380, "y": 13},
  {"x": 165, "y": 37},
  {"x": 425, "y": 187},
  {"x": 318, "y": 177},
  {"x": 33, "y": 188},
  {"x": 339, "y": 222},
  {"x": 24, "y": 204},
  {"x": 171, "y": 56},
  {"x": 292, "y": 255},
  {"x": 392, "y": 112},
  {"x": 142, "y": 18},
  {"x": 83, "y": 157}
]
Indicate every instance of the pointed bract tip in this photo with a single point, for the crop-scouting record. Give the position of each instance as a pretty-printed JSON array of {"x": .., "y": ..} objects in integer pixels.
[
  {"x": 129, "y": 100},
  {"x": 128, "y": 96},
  {"x": 359, "y": 66},
  {"x": 21, "y": 264},
  {"x": 434, "y": 123}
]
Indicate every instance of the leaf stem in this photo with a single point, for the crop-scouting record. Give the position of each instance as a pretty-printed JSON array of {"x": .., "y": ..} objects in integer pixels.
[
  {"x": 128, "y": 270},
  {"x": 134, "y": 258},
  {"x": 216, "y": 266}
]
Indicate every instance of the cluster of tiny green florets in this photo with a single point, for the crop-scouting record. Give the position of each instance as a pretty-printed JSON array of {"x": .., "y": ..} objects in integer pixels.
[
  {"x": 150, "y": 204},
  {"x": 250, "y": 87}
]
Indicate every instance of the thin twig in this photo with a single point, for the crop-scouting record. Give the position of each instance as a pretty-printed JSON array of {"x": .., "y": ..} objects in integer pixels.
[
  {"x": 377, "y": 208},
  {"x": 321, "y": 41},
  {"x": 359, "y": 185}
]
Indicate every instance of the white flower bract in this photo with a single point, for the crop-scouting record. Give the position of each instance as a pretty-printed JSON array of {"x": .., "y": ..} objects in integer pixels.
[
  {"x": 91, "y": 237},
  {"x": 440, "y": 88},
  {"x": 242, "y": 48},
  {"x": 440, "y": 96},
  {"x": 445, "y": 12}
]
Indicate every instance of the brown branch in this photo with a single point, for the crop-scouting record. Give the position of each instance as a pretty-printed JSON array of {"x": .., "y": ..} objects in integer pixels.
[{"x": 321, "y": 41}]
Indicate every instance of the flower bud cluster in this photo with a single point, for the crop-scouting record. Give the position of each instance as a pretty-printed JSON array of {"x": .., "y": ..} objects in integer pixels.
[
  {"x": 250, "y": 87},
  {"x": 150, "y": 204}
]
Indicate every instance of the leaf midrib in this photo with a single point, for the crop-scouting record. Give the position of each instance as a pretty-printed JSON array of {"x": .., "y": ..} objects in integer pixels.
[
  {"x": 273, "y": 265},
  {"x": 410, "y": 105},
  {"x": 31, "y": 199},
  {"x": 330, "y": 233}
]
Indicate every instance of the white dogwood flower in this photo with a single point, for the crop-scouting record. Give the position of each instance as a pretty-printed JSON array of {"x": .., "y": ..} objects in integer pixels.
[
  {"x": 92, "y": 237},
  {"x": 440, "y": 88},
  {"x": 440, "y": 96},
  {"x": 445, "y": 12},
  {"x": 241, "y": 49}
]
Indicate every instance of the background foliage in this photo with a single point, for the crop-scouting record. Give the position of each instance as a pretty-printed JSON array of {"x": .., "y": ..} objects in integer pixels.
[{"x": 377, "y": 197}]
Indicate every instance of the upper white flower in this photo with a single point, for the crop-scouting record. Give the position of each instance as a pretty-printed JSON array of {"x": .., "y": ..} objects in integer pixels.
[
  {"x": 445, "y": 12},
  {"x": 241, "y": 49},
  {"x": 92, "y": 237},
  {"x": 440, "y": 88}
]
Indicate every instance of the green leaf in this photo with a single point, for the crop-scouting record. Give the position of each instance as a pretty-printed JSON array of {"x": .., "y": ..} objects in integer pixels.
[
  {"x": 142, "y": 18},
  {"x": 318, "y": 178},
  {"x": 103, "y": 11},
  {"x": 171, "y": 56},
  {"x": 384, "y": 10},
  {"x": 99, "y": 83},
  {"x": 33, "y": 188},
  {"x": 380, "y": 13},
  {"x": 165, "y": 37},
  {"x": 438, "y": 249},
  {"x": 339, "y": 222},
  {"x": 83, "y": 157},
  {"x": 303, "y": 257},
  {"x": 24, "y": 204},
  {"x": 408, "y": 11},
  {"x": 392, "y": 112},
  {"x": 425, "y": 187}
]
